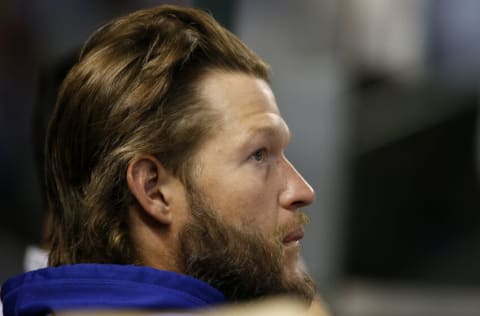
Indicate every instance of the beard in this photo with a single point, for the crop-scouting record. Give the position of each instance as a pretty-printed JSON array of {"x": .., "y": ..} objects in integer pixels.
[{"x": 239, "y": 262}]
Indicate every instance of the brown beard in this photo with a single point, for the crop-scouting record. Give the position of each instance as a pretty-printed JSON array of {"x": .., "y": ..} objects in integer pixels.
[{"x": 239, "y": 262}]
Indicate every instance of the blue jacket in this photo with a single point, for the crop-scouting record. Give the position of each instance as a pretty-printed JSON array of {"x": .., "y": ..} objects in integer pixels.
[{"x": 104, "y": 286}]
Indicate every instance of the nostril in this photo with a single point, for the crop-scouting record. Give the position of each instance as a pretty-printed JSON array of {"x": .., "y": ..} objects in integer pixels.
[{"x": 299, "y": 204}]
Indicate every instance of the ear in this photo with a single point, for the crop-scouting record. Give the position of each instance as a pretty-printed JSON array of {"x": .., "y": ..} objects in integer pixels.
[{"x": 148, "y": 181}]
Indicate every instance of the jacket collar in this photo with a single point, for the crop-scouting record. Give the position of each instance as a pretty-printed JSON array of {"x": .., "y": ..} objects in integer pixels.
[{"x": 104, "y": 286}]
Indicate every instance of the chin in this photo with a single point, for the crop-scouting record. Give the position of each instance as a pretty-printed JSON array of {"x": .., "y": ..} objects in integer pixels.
[
  {"x": 293, "y": 263},
  {"x": 294, "y": 268},
  {"x": 294, "y": 272},
  {"x": 301, "y": 285}
]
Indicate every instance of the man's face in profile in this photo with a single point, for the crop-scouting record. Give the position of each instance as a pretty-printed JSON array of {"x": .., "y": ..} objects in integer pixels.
[{"x": 245, "y": 228}]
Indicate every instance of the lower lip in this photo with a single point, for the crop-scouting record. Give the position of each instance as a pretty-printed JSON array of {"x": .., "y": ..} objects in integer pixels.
[{"x": 295, "y": 243}]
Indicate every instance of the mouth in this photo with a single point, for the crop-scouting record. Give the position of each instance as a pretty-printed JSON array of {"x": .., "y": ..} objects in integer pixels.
[{"x": 293, "y": 238}]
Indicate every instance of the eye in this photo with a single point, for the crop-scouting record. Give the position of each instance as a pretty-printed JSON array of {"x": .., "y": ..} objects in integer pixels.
[{"x": 259, "y": 155}]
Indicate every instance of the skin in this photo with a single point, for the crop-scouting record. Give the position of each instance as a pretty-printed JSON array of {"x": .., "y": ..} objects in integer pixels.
[{"x": 242, "y": 170}]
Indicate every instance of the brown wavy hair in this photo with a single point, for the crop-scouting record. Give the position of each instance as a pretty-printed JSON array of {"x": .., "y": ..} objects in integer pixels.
[{"x": 133, "y": 90}]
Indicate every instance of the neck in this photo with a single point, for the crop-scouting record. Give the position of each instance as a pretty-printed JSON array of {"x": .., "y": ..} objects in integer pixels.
[{"x": 155, "y": 242}]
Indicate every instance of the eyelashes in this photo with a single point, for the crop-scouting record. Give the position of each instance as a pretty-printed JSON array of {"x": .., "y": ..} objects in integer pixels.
[{"x": 259, "y": 155}]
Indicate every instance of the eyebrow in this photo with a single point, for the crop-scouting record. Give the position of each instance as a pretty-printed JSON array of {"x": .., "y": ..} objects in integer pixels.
[{"x": 276, "y": 130}]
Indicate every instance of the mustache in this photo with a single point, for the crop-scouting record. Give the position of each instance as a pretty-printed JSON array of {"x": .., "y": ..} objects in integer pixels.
[{"x": 300, "y": 220}]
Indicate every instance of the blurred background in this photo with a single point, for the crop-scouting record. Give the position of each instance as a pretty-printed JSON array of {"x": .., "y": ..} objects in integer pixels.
[{"x": 382, "y": 97}]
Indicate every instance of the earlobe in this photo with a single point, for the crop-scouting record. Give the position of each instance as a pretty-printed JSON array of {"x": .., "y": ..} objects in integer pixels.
[{"x": 147, "y": 180}]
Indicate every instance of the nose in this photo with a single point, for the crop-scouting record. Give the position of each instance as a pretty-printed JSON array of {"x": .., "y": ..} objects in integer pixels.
[{"x": 297, "y": 192}]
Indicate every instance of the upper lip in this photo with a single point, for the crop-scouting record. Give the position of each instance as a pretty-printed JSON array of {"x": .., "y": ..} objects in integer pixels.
[{"x": 294, "y": 235}]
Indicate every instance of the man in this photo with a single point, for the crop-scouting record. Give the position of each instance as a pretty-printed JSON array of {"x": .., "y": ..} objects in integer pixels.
[{"x": 166, "y": 175}]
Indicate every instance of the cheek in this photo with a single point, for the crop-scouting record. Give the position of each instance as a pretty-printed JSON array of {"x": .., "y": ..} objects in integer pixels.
[
  {"x": 256, "y": 207},
  {"x": 245, "y": 197}
]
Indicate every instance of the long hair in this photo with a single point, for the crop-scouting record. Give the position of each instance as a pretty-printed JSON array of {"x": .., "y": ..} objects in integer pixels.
[{"x": 134, "y": 90}]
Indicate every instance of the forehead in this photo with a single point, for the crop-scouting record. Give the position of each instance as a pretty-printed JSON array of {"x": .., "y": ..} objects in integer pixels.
[{"x": 241, "y": 101}]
